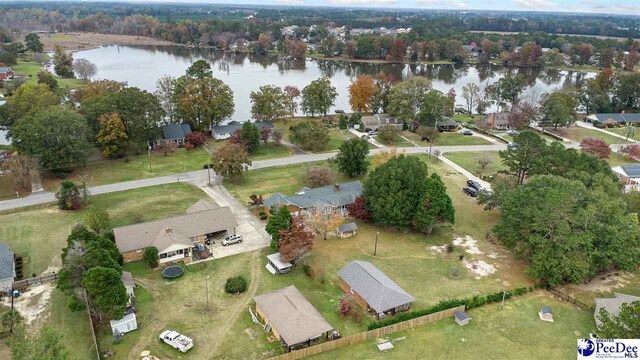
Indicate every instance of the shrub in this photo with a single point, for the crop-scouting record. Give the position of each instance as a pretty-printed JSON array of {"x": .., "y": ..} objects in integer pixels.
[
  {"x": 450, "y": 248},
  {"x": 263, "y": 215},
  {"x": 235, "y": 285},
  {"x": 74, "y": 304},
  {"x": 345, "y": 306},
  {"x": 317, "y": 176},
  {"x": 151, "y": 257},
  {"x": 194, "y": 139},
  {"x": 306, "y": 268}
]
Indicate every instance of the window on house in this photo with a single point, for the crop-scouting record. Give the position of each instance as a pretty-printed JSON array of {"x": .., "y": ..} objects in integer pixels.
[{"x": 163, "y": 256}]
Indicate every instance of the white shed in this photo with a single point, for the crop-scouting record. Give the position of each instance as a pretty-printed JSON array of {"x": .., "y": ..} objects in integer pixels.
[
  {"x": 124, "y": 325},
  {"x": 275, "y": 265}
]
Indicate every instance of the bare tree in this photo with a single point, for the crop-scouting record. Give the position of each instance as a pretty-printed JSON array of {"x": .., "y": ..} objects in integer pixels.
[
  {"x": 484, "y": 162},
  {"x": 471, "y": 95},
  {"x": 166, "y": 88},
  {"x": 85, "y": 69},
  {"x": 324, "y": 219},
  {"x": 20, "y": 169}
]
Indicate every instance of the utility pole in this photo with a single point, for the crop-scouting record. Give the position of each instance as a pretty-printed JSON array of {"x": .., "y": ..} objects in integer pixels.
[
  {"x": 209, "y": 173},
  {"x": 504, "y": 293},
  {"x": 206, "y": 285},
  {"x": 149, "y": 152},
  {"x": 375, "y": 249}
]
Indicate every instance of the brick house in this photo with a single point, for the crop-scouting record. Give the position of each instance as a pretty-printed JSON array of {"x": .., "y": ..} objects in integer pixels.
[
  {"x": 497, "y": 121},
  {"x": 335, "y": 197},
  {"x": 5, "y": 72}
]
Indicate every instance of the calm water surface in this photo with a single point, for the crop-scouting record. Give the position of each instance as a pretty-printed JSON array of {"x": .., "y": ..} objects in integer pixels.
[{"x": 141, "y": 66}]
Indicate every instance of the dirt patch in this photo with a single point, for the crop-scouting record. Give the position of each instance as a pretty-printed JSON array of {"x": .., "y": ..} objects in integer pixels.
[
  {"x": 32, "y": 303},
  {"x": 84, "y": 41},
  {"x": 469, "y": 244},
  {"x": 606, "y": 283},
  {"x": 479, "y": 268}
]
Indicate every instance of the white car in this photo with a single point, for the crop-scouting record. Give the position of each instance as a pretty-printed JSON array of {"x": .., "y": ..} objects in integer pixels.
[
  {"x": 232, "y": 239},
  {"x": 176, "y": 340}
]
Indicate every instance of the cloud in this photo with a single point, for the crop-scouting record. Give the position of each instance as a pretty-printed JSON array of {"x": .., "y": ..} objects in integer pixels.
[
  {"x": 536, "y": 4},
  {"x": 443, "y": 4}
]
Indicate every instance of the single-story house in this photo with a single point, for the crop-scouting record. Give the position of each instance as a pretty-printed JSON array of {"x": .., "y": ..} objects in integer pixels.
[
  {"x": 126, "y": 324},
  {"x": 447, "y": 124},
  {"x": 201, "y": 205},
  {"x": 376, "y": 121},
  {"x": 7, "y": 268},
  {"x": 335, "y": 197},
  {"x": 291, "y": 317},
  {"x": 603, "y": 120},
  {"x": 347, "y": 230},
  {"x": 275, "y": 265},
  {"x": 174, "y": 237},
  {"x": 497, "y": 121},
  {"x": 129, "y": 284},
  {"x": 6, "y": 73},
  {"x": 629, "y": 174},
  {"x": 174, "y": 133},
  {"x": 462, "y": 318},
  {"x": 372, "y": 289},
  {"x": 222, "y": 132},
  {"x": 546, "y": 314},
  {"x": 612, "y": 305}
]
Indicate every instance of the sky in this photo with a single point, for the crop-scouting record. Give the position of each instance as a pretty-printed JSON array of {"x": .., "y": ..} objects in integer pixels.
[{"x": 626, "y": 7}]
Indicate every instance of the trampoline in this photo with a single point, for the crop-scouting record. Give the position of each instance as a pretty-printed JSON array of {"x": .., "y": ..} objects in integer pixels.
[{"x": 172, "y": 272}]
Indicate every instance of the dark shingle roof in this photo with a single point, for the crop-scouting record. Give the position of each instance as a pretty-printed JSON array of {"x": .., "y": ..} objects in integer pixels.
[
  {"x": 619, "y": 117},
  {"x": 347, "y": 227},
  {"x": 546, "y": 310},
  {"x": 461, "y": 315},
  {"x": 376, "y": 288},
  {"x": 633, "y": 171},
  {"x": 325, "y": 195},
  {"x": 6, "y": 262},
  {"x": 4, "y": 69},
  {"x": 175, "y": 131}
]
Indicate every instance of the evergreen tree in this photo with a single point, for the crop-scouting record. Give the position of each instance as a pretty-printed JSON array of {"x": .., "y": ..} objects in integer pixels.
[
  {"x": 352, "y": 158},
  {"x": 435, "y": 206}
]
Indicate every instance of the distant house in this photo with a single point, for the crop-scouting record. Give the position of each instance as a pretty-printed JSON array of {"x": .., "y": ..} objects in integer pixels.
[
  {"x": 546, "y": 314},
  {"x": 291, "y": 317},
  {"x": 174, "y": 237},
  {"x": 275, "y": 265},
  {"x": 347, "y": 230},
  {"x": 7, "y": 268},
  {"x": 447, "y": 124},
  {"x": 629, "y": 175},
  {"x": 174, "y": 133},
  {"x": 462, "y": 318},
  {"x": 497, "y": 121},
  {"x": 6, "y": 73},
  {"x": 335, "y": 197},
  {"x": 129, "y": 284},
  {"x": 612, "y": 305},
  {"x": 372, "y": 289},
  {"x": 611, "y": 119},
  {"x": 376, "y": 121},
  {"x": 222, "y": 132}
]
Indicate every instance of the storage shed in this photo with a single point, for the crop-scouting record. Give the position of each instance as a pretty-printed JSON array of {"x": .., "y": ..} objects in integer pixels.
[
  {"x": 275, "y": 265},
  {"x": 126, "y": 324},
  {"x": 462, "y": 318},
  {"x": 546, "y": 314},
  {"x": 347, "y": 230}
]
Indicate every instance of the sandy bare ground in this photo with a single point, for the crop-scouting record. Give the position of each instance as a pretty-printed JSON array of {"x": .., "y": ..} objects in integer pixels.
[
  {"x": 84, "y": 41},
  {"x": 32, "y": 303}
]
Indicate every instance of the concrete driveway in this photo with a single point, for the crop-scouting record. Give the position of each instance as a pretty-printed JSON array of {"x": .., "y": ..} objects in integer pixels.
[{"x": 254, "y": 236}]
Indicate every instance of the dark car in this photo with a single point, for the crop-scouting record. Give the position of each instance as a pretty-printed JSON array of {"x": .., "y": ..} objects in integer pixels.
[
  {"x": 467, "y": 132},
  {"x": 470, "y": 191},
  {"x": 474, "y": 184}
]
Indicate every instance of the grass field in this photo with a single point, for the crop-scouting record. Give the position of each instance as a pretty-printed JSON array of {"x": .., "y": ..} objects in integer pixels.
[
  {"x": 7, "y": 189},
  {"x": 620, "y": 131},
  {"x": 448, "y": 139},
  {"x": 113, "y": 171},
  {"x": 469, "y": 161},
  {"x": 513, "y": 333},
  {"x": 39, "y": 234},
  {"x": 336, "y": 136},
  {"x": 31, "y": 69},
  {"x": 578, "y": 134},
  {"x": 263, "y": 152}
]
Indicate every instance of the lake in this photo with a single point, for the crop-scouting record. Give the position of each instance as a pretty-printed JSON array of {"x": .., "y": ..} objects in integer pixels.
[{"x": 141, "y": 66}]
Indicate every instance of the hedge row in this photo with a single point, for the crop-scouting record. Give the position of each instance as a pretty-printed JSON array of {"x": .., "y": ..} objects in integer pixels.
[{"x": 469, "y": 303}]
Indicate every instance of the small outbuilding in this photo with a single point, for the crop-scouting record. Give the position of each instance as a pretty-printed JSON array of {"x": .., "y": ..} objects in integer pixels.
[
  {"x": 7, "y": 268},
  {"x": 126, "y": 324},
  {"x": 275, "y": 265},
  {"x": 129, "y": 284},
  {"x": 347, "y": 230},
  {"x": 462, "y": 318},
  {"x": 546, "y": 314}
]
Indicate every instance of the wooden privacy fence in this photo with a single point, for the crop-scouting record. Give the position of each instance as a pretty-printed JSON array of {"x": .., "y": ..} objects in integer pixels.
[
  {"x": 571, "y": 299},
  {"x": 368, "y": 335},
  {"x": 38, "y": 280}
]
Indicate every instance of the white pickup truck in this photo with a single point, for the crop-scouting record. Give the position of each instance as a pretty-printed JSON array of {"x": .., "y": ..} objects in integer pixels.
[{"x": 177, "y": 341}]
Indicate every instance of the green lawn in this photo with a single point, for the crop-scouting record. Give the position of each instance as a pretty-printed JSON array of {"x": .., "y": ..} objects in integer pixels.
[
  {"x": 578, "y": 134},
  {"x": 399, "y": 141},
  {"x": 31, "y": 69},
  {"x": 40, "y": 233},
  {"x": 113, "y": 171},
  {"x": 617, "y": 160},
  {"x": 469, "y": 161},
  {"x": 73, "y": 326},
  {"x": 336, "y": 136},
  {"x": 513, "y": 333},
  {"x": 448, "y": 139},
  {"x": 263, "y": 152},
  {"x": 466, "y": 118},
  {"x": 620, "y": 131},
  {"x": 7, "y": 189}
]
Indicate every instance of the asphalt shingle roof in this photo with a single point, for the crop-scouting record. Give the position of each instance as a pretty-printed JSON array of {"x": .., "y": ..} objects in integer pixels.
[
  {"x": 461, "y": 315},
  {"x": 6, "y": 262},
  {"x": 612, "y": 305},
  {"x": 175, "y": 131},
  {"x": 347, "y": 227},
  {"x": 325, "y": 195},
  {"x": 235, "y": 125},
  {"x": 633, "y": 171},
  {"x": 376, "y": 288},
  {"x": 619, "y": 117}
]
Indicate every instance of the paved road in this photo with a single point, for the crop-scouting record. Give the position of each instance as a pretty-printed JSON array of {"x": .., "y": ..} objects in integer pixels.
[{"x": 199, "y": 176}]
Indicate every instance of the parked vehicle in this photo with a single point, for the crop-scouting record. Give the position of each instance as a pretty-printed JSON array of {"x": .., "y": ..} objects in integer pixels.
[
  {"x": 512, "y": 146},
  {"x": 470, "y": 191},
  {"x": 232, "y": 239},
  {"x": 512, "y": 132},
  {"x": 466, "y": 132},
  {"x": 176, "y": 340},
  {"x": 373, "y": 133},
  {"x": 474, "y": 184}
]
